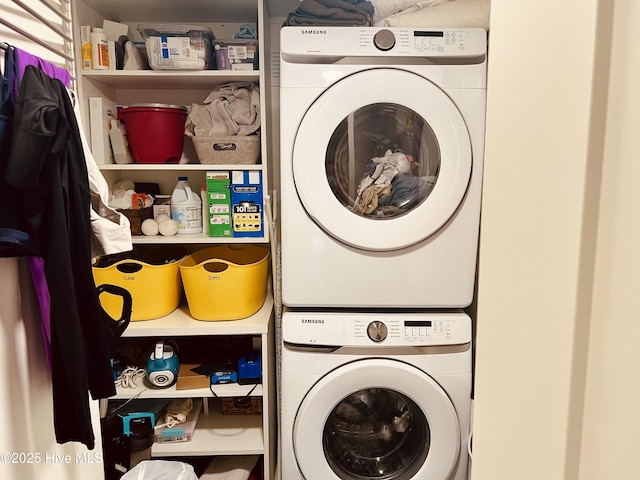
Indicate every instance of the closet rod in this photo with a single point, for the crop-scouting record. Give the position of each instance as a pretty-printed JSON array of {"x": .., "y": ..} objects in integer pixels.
[
  {"x": 36, "y": 40},
  {"x": 40, "y": 18}
]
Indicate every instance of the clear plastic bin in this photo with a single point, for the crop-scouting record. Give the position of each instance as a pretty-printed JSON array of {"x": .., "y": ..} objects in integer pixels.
[
  {"x": 236, "y": 54},
  {"x": 178, "y": 46}
]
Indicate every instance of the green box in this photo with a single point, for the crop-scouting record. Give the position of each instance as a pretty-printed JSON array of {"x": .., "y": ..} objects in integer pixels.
[{"x": 219, "y": 204}]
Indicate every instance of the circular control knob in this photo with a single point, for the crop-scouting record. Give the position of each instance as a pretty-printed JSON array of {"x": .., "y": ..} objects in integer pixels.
[
  {"x": 377, "y": 331},
  {"x": 384, "y": 40}
]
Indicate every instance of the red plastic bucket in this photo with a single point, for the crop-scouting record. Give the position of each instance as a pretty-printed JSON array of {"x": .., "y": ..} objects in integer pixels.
[{"x": 155, "y": 131}]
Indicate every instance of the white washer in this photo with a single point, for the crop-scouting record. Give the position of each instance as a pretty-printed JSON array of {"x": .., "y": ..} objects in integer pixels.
[
  {"x": 382, "y": 139},
  {"x": 375, "y": 396}
]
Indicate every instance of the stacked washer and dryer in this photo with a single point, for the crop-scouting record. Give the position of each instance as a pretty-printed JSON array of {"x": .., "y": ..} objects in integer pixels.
[{"x": 382, "y": 139}]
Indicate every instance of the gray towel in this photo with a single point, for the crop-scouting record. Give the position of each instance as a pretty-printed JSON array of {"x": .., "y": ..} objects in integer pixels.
[
  {"x": 346, "y": 13},
  {"x": 230, "y": 109}
]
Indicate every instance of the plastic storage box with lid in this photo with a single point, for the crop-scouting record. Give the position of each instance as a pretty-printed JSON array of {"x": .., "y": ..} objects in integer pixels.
[
  {"x": 225, "y": 282},
  {"x": 178, "y": 46},
  {"x": 236, "y": 54}
]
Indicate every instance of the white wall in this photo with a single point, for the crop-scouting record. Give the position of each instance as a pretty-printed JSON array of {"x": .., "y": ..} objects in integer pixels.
[
  {"x": 556, "y": 374},
  {"x": 28, "y": 450}
]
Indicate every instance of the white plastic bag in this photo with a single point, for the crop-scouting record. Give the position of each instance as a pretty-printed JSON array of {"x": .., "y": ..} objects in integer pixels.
[{"x": 160, "y": 470}]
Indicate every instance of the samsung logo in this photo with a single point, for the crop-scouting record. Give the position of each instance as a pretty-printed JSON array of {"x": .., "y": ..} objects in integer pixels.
[
  {"x": 311, "y": 320},
  {"x": 313, "y": 31}
]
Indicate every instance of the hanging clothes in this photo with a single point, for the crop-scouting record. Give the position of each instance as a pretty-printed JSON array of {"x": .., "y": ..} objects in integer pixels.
[
  {"x": 14, "y": 241},
  {"x": 47, "y": 162},
  {"x": 111, "y": 230},
  {"x": 24, "y": 59}
]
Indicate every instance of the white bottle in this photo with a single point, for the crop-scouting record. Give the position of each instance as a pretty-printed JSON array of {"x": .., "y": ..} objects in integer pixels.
[
  {"x": 186, "y": 208},
  {"x": 99, "y": 49},
  {"x": 205, "y": 208}
]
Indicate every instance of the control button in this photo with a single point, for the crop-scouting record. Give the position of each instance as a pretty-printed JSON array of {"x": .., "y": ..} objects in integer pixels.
[
  {"x": 377, "y": 331},
  {"x": 384, "y": 40}
]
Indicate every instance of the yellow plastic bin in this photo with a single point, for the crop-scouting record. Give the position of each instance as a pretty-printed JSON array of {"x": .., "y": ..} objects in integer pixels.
[
  {"x": 152, "y": 277},
  {"x": 225, "y": 282}
]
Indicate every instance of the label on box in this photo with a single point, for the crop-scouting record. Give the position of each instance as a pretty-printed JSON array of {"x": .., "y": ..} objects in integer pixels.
[
  {"x": 219, "y": 204},
  {"x": 246, "y": 203},
  {"x": 162, "y": 205},
  {"x": 241, "y": 53},
  {"x": 175, "y": 47}
]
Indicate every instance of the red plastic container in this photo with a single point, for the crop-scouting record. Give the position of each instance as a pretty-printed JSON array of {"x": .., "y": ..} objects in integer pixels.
[{"x": 155, "y": 131}]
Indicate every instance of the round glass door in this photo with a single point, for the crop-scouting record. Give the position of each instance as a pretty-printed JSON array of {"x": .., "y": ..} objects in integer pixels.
[
  {"x": 376, "y": 419},
  {"x": 376, "y": 433},
  {"x": 382, "y": 159}
]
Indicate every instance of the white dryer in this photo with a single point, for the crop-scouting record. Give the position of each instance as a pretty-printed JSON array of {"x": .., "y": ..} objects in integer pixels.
[
  {"x": 382, "y": 139},
  {"x": 369, "y": 396}
]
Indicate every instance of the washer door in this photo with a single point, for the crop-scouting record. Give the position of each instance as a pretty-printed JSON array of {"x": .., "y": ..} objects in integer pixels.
[
  {"x": 382, "y": 159},
  {"x": 376, "y": 419}
]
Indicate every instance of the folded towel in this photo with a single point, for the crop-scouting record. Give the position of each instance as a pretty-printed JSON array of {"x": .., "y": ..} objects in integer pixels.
[{"x": 332, "y": 13}]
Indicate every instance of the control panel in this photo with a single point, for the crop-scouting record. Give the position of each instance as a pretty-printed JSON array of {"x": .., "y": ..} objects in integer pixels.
[
  {"x": 368, "y": 329},
  {"x": 324, "y": 43}
]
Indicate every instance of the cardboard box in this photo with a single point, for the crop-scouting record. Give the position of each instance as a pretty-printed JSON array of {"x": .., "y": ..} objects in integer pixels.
[
  {"x": 85, "y": 41},
  {"x": 246, "y": 203},
  {"x": 162, "y": 205},
  {"x": 219, "y": 204},
  {"x": 188, "y": 379}
]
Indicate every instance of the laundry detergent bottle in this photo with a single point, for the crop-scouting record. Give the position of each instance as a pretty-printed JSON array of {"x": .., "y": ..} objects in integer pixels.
[{"x": 186, "y": 208}]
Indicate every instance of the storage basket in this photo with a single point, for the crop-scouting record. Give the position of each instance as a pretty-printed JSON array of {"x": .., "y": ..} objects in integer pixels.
[
  {"x": 242, "y": 406},
  {"x": 136, "y": 217},
  {"x": 225, "y": 282},
  {"x": 151, "y": 275},
  {"x": 231, "y": 150}
]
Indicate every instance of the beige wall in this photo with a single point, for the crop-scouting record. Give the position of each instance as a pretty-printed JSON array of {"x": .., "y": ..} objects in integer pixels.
[
  {"x": 612, "y": 416},
  {"x": 557, "y": 356}
]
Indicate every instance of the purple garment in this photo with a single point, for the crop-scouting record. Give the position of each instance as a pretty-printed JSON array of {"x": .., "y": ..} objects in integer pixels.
[
  {"x": 36, "y": 267},
  {"x": 36, "y": 264},
  {"x": 25, "y": 59}
]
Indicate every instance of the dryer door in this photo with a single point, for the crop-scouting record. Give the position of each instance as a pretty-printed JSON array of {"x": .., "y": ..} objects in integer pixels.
[
  {"x": 382, "y": 159},
  {"x": 376, "y": 419}
]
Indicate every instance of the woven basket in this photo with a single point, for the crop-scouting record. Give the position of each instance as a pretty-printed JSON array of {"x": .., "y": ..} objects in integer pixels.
[
  {"x": 136, "y": 217},
  {"x": 233, "y": 150},
  {"x": 242, "y": 406}
]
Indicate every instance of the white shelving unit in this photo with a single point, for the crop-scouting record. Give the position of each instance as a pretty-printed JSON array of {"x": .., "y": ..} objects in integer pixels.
[
  {"x": 231, "y": 434},
  {"x": 216, "y": 434}
]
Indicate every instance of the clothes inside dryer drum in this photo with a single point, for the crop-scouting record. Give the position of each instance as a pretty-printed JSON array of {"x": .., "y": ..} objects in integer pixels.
[
  {"x": 376, "y": 433},
  {"x": 382, "y": 161}
]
